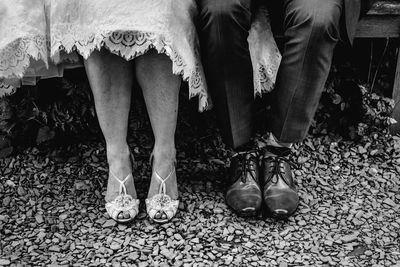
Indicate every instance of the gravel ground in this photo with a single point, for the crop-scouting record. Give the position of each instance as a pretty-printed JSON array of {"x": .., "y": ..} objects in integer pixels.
[{"x": 52, "y": 210}]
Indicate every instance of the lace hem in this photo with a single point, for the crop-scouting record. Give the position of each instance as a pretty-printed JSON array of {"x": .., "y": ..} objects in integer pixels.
[
  {"x": 16, "y": 56},
  {"x": 129, "y": 45},
  {"x": 265, "y": 55},
  {"x": 264, "y": 79},
  {"x": 6, "y": 89}
]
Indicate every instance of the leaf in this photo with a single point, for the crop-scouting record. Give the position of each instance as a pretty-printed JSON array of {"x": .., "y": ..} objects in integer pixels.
[
  {"x": 44, "y": 134},
  {"x": 217, "y": 161},
  {"x": 358, "y": 251},
  {"x": 4, "y": 142},
  {"x": 392, "y": 121},
  {"x": 5, "y": 109},
  {"x": 6, "y": 152},
  {"x": 337, "y": 99}
]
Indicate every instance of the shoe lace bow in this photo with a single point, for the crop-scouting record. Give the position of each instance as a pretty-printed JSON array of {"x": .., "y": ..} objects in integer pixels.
[
  {"x": 277, "y": 166},
  {"x": 245, "y": 159}
]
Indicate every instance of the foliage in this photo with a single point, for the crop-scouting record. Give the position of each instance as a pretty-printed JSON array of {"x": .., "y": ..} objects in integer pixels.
[
  {"x": 56, "y": 110},
  {"x": 352, "y": 111}
]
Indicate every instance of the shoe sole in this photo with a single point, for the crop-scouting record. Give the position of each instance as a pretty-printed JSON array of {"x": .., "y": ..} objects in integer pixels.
[
  {"x": 246, "y": 212},
  {"x": 280, "y": 214}
]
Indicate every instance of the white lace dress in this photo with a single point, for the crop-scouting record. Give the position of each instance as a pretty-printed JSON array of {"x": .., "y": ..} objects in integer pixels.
[
  {"x": 23, "y": 51},
  {"x": 128, "y": 28}
]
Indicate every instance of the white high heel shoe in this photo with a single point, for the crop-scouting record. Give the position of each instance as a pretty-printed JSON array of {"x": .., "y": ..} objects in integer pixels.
[
  {"x": 162, "y": 203},
  {"x": 123, "y": 204}
]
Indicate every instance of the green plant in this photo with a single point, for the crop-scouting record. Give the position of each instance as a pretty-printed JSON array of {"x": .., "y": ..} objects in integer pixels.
[{"x": 54, "y": 109}]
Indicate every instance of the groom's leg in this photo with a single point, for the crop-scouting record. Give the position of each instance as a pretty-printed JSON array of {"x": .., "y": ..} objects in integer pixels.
[
  {"x": 223, "y": 29},
  {"x": 311, "y": 31}
]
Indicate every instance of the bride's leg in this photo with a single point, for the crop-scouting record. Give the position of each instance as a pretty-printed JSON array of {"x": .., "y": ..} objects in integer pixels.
[
  {"x": 111, "y": 79},
  {"x": 161, "y": 93}
]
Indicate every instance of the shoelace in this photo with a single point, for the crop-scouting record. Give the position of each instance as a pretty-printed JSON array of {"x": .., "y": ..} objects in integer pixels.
[
  {"x": 277, "y": 166},
  {"x": 244, "y": 162}
]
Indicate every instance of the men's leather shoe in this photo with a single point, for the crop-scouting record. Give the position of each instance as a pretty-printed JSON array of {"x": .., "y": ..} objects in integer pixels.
[
  {"x": 244, "y": 194},
  {"x": 280, "y": 195}
]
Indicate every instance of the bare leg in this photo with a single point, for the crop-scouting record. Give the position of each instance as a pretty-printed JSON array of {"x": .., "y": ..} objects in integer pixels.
[
  {"x": 110, "y": 78},
  {"x": 161, "y": 92}
]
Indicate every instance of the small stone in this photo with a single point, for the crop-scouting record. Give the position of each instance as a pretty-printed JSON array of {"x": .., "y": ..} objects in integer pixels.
[
  {"x": 127, "y": 241},
  {"x": 226, "y": 232},
  {"x": 41, "y": 235},
  {"x": 109, "y": 223},
  {"x": 249, "y": 245},
  {"x": 359, "y": 214},
  {"x": 115, "y": 246},
  {"x": 3, "y": 218},
  {"x": 4, "y": 262},
  {"x": 349, "y": 238},
  {"x": 389, "y": 202},
  {"x": 54, "y": 249},
  {"x": 218, "y": 211},
  {"x": 373, "y": 171},
  {"x": 133, "y": 256},
  {"x": 336, "y": 168},
  {"x": 367, "y": 241},
  {"x": 63, "y": 217},
  {"x": 325, "y": 259},
  {"x": 368, "y": 253},
  {"x": 6, "y": 201},
  {"x": 302, "y": 223},
  {"x": 178, "y": 237},
  {"x": 39, "y": 219}
]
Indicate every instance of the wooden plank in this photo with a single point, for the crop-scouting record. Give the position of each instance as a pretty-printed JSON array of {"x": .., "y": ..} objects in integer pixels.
[
  {"x": 395, "y": 128},
  {"x": 396, "y": 86},
  {"x": 377, "y": 26},
  {"x": 385, "y": 8}
]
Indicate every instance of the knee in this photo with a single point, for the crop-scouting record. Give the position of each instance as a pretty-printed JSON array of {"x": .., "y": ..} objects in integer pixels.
[
  {"x": 319, "y": 17},
  {"x": 211, "y": 11}
]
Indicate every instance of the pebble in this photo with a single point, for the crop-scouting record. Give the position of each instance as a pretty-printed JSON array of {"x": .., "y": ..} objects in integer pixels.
[
  {"x": 115, "y": 246},
  {"x": 4, "y": 262},
  {"x": 109, "y": 223},
  {"x": 349, "y": 238},
  {"x": 389, "y": 202},
  {"x": 218, "y": 211},
  {"x": 324, "y": 231},
  {"x": 54, "y": 249},
  {"x": 373, "y": 171}
]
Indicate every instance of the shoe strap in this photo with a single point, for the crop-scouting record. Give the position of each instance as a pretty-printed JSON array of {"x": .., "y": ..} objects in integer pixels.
[
  {"x": 122, "y": 187},
  {"x": 162, "y": 189}
]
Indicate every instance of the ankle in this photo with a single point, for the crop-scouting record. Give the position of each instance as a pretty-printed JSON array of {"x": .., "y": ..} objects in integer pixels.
[
  {"x": 272, "y": 141},
  {"x": 164, "y": 153},
  {"x": 117, "y": 153},
  {"x": 119, "y": 161},
  {"x": 163, "y": 161}
]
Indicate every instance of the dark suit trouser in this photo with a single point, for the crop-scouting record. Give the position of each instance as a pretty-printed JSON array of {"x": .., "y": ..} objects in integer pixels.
[{"x": 311, "y": 31}]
